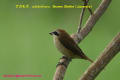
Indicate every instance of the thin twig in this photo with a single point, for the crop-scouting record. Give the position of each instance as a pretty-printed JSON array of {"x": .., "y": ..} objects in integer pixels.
[
  {"x": 81, "y": 15},
  {"x": 107, "y": 55},
  {"x": 81, "y": 18},
  {"x": 90, "y": 11},
  {"x": 91, "y": 21}
]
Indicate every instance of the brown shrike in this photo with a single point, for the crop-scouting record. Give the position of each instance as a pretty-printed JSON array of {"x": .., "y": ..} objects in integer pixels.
[{"x": 67, "y": 46}]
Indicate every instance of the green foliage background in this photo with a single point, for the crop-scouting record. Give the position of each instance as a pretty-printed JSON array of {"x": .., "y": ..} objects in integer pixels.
[{"x": 27, "y": 48}]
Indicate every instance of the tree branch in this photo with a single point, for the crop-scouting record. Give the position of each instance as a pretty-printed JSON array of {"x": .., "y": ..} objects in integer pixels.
[
  {"x": 60, "y": 71},
  {"x": 91, "y": 21},
  {"x": 81, "y": 16},
  {"x": 110, "y": 51}
]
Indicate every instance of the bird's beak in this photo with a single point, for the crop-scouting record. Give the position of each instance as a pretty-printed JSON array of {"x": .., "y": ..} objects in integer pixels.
[{"x": 51, "y": 33}]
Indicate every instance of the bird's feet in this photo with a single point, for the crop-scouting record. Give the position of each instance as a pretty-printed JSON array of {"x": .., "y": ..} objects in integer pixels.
[
  {"x": 66, "y": 58},
  {"x": 63, "y": 62}
]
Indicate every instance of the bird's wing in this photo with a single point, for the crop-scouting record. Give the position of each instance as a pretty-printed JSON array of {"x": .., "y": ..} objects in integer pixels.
[{"x": 71, "y": 45}]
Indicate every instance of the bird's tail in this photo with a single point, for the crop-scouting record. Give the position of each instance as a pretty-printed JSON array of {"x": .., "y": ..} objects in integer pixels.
[{"x": 88, "y": 59}]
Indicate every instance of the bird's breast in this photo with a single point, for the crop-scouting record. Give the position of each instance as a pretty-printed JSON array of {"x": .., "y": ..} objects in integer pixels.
[{"x": 62, "y": 48}]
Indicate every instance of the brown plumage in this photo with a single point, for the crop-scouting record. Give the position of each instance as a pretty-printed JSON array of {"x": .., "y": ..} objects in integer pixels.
[{"x": 67, "y": 46}]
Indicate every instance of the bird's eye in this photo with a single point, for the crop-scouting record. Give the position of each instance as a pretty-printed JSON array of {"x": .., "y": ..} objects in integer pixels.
[{"x": 56, "y": 33}]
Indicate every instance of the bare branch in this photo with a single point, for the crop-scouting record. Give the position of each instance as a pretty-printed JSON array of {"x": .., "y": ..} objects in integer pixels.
[
  {"x": 110, "y": 51},
  {"x": 60, "y": 71},
  {"x": 81, "y": 15},
  {"x": 81, "y": 18},
  {"x": 90, "y": 11},
  {"x": 91, "y": 21}
]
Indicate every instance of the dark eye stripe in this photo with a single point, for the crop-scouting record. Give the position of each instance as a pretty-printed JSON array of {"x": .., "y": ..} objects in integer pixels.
[{"x": 56, "y": 33}]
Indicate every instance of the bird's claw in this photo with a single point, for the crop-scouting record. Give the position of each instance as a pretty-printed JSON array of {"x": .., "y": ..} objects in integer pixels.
[
  {"x": 66, "y": 58},
  {"x": 61, "y": 63}
]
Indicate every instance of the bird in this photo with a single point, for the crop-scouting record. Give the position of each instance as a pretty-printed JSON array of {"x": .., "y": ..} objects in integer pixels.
[{"x": 67, "y": 46}]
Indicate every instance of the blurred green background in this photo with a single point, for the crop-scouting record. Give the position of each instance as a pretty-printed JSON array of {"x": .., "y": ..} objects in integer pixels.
[{"x": 27, "y": 48}]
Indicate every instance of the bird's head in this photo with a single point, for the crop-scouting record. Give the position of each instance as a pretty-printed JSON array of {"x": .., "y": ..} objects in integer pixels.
[{"x": 58, "y": 32}]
